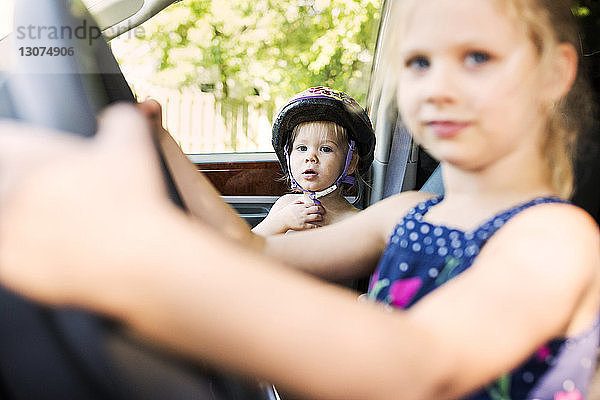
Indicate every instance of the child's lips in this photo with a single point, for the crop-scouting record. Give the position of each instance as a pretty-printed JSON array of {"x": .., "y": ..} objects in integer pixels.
[
  {"x": 447, "y": 129},
  {"x": 309, "y": 174}
]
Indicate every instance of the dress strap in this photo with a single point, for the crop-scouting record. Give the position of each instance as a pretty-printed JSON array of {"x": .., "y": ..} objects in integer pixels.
[
  {"x": 421, "y": 209},
  {"x": 488, "y": 228}
]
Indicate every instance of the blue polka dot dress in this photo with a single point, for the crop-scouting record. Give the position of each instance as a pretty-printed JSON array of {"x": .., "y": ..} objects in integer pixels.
[{"x": 421, "y": 256}]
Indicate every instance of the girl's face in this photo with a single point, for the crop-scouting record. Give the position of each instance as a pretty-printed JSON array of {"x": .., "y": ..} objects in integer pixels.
[
  {"x": 470, "y": 87},
  {"x": 317, "y": 159}
]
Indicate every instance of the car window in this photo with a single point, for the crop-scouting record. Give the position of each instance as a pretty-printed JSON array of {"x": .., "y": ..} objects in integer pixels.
[
  {"x": 6, "y": 13},
  {"x": 222, "y": 69}
]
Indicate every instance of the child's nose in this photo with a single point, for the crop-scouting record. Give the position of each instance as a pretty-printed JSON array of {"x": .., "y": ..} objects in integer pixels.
[
  {"x": 440, "y": 86},
  {"x": 311, "y": 157}
]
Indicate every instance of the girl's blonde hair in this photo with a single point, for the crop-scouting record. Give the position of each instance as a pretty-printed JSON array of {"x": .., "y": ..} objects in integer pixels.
[{"x": 548, "y": 23}]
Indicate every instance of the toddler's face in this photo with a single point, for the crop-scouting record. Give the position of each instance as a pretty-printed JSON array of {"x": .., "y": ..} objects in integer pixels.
[
  {"x": 317, "y": 159},
  {"x": 470, "y": 85}
]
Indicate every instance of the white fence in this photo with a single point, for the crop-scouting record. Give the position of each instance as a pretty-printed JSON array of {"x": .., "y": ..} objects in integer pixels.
[{"x": 201, "y": 124}]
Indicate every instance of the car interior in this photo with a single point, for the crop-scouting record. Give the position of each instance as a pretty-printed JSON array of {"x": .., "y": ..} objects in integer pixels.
[{"x": 49, "y": 353}]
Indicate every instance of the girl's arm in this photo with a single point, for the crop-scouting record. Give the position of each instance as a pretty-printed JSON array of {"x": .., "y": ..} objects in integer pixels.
[
  {"x": 348, "y": 249},
  {"x": 139, "y": 259},
  {"x": 254, "y": 317},
  {"x": 68, "y": 238},
  {"x": 338, "y": 253},
  {"x": 317, "y": 340},
  {"x": 199, "y": 196}
]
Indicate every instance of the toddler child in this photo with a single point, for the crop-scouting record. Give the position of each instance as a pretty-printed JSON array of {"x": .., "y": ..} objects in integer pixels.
[{"x": 321, "y": 137}]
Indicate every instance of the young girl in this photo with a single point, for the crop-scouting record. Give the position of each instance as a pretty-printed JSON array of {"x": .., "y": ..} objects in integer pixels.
[
  {"x": 489, "y": 292},
  {"x": 321, "y": 136}
]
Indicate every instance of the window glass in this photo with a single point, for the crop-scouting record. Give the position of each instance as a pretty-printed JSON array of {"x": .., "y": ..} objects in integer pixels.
[
  {"x": 6, "y": 13},
  {"x": 588, "y": 12},
  {"x": 222, "y": 69}
]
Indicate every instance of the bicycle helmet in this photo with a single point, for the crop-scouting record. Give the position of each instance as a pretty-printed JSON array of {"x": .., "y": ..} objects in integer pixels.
[{"x": 325, "y": 104}]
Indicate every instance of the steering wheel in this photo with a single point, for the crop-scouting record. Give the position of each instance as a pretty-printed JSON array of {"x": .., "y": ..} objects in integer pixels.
[{"x": 49, "y": 353}]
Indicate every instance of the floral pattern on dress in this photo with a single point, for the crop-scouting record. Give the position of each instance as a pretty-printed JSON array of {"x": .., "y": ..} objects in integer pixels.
[
  {"x": 572, "y": 395},
  {"x": 402, "y": 292}
]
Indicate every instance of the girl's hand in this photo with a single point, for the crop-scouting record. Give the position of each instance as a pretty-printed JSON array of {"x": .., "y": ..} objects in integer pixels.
[
  {"x": 73, "y": 211},
  {"x": 200, "y": 197},
  {"x": 152, "y": 110}
]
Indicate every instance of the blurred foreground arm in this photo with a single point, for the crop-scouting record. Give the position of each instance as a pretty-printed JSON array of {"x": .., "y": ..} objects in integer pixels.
[
  {"x": 89, "y": 224},
  {"x": 198, "y": 194},
  {"x": 204, "y": 201}
]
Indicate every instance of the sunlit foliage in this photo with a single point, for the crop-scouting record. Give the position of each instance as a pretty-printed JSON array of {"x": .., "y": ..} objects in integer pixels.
[{"x": 261, "y": 52}]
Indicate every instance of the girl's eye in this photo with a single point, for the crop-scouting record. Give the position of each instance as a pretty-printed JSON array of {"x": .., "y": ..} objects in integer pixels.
[
  {"x": 326, "y": 149},
  {"x": 418, "y": 63},
  {"x": 475, "y": 58},
  {"x": 301, "y": 148}
]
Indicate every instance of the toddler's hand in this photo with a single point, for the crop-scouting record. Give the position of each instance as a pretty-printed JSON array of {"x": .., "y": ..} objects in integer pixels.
[{"x": 303, "y": 213}]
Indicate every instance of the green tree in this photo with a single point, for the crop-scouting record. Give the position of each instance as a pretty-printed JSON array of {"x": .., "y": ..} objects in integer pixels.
[
  {"x": 261, "y": 52},
  {"x": 588, "y": 13}
]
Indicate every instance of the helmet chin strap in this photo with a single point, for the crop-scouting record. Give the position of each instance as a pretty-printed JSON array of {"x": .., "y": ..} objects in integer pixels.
[{"x": 343, "y": 178}]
